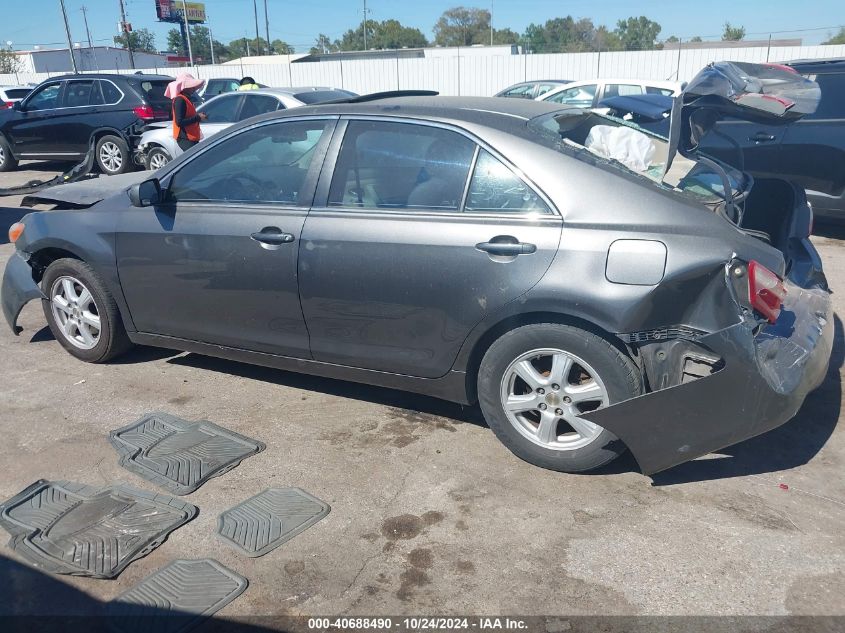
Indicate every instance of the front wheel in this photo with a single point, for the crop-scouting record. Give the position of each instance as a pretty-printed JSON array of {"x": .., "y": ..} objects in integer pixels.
[
  {"x": 535, "y": 383},
  {"x": 113, "y": 156},
  {"x": 82, "y": 313},
  {"x": 157, "y": 157}
]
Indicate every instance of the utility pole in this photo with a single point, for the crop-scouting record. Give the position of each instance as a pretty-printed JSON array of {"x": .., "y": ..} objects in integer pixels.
[
  {"x": 257, "y": 37},
  {"x": 69, "y": 43},
  {"x": 365, "y": 24},
  {"x": 187, "y": 32},
  {"x": 88, "y": 32},
  {"x": 124, "y": 26},
  {"x": 267, "y": 28},
  {"x": 211, "y": 44},
  {"x": 491, "y": 22}
]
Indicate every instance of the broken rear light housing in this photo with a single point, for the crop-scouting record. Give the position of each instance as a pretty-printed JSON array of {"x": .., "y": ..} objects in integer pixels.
[{"x": 766, "y": 291}]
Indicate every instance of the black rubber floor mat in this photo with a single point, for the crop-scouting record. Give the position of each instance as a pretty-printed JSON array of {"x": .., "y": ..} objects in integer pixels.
[
  {"x": 68, "y": 528},
  {"x": 176, "y": 598},
  {"x": 263, "y": 522},
  {"x": 179, "y": 455}
]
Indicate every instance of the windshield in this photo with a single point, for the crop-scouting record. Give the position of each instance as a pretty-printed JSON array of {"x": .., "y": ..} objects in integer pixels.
[
  {"x": 624, "y": 145},
  {"x": 319, "y": 96}
]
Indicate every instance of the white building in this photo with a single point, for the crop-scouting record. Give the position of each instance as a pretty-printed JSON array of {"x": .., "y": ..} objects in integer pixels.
[{"x": 103, "y": 58}]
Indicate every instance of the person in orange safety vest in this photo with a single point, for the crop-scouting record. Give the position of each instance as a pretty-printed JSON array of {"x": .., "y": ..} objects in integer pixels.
[{"x": 186, "y": 120}]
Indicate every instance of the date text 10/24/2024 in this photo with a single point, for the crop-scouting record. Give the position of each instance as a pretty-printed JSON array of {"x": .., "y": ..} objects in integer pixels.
[{"x": 417, "y": 624}]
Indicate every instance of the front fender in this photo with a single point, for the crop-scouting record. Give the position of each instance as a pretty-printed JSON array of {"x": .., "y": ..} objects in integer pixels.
[{"x": 18, "y": 289}]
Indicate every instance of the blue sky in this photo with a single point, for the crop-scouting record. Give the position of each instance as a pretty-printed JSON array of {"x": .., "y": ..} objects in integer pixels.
[{"x": 299, "y": 21}]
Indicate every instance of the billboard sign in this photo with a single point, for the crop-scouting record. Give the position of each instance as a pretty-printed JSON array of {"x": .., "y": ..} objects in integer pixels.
[{"x": 171, "y": 11}]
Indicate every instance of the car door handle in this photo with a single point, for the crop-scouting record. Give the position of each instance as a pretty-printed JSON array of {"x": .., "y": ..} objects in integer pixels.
[
  {"x": 506, "y": 248},
  {"x": 272, "y": 237},
  {"x": 762, "y": 137}
]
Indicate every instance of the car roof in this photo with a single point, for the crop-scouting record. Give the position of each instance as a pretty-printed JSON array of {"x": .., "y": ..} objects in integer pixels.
[
  {"x": 112, "y": 76},
  {"x": 834, "y": 64},
  {"x": 508, "y": 115}
]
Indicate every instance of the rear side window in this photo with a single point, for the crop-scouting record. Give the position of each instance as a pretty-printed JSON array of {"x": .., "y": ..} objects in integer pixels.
[
  {"x": 622, "y": 90},
  {"x": 495, "y": 188},
  {"x": 832, "y": 105},
  {"x": 78, "y": 93},
  {"x": 222, "y": 110},
  {"x": 111, "y": 94},
  {"x": 384, "y": 165},
  {"x": 579, "y": 96},
  {"x": 654, "y": 90},
  {"x": 219, "y": 86},
  {"x": 258, "y": 104},
  {"x": 525, "y": 91}
]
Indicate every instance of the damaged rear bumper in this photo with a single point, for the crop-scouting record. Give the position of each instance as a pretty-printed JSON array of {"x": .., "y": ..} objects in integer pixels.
[
  {"x": 18, "y": 289},
  {"x": 763, "y": 383}
]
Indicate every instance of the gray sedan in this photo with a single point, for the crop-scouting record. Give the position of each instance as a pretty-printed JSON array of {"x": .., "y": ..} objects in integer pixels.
[
  {"x": 157, "y": 147},
  {"x": 499, "y": 251}
]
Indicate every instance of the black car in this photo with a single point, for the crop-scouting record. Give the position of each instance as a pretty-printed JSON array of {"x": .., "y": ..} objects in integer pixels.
[
  {"x": 65, "y": 116},
  {"x": 810, "y": 152}
]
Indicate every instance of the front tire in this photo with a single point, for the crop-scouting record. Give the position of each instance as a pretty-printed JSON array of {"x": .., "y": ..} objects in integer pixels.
[
  {"x": 7, "y": 161},
  {"x": 113, "y": 156},
  {"x": 157, "y": 158},
  {"x": 536, "y": 381},
  {"x": 82, "y": 313}
]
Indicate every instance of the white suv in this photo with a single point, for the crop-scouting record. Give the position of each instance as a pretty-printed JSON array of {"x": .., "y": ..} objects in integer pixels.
[{"x": 588, "y": 94}]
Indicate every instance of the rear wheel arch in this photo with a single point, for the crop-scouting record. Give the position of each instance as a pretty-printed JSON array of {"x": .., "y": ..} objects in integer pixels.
[{"x": 512, "y": 322}]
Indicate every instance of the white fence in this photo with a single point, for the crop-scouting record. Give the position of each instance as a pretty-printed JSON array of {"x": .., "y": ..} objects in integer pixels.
[{"x": 486, "y": 75}]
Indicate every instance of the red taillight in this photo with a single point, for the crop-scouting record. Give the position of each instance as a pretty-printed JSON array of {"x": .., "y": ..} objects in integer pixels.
[
  {"x": 766, "y": 291},
  {"x": 144, "y": 112},
  {"x": 6, "y": 104}
]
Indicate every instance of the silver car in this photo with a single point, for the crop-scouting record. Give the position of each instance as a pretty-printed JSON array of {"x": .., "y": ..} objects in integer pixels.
[{"x": 157, "y": 146}]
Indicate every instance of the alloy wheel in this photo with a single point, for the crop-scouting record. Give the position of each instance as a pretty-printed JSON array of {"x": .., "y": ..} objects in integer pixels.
[
  {"x": 544, "y": 392},
  {"x": 158, "y": 160},
  {"x": 110, "y": 156},
  {"x": 75, "y": 312}
]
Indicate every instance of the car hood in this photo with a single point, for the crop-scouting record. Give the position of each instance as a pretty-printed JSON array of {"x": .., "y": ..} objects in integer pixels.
[
  {"x": 80, "y": 195},
  {"x": 763, "y": 93}
]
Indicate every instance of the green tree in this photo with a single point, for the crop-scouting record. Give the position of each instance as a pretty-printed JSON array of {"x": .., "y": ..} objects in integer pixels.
[
  {"x": 672, "y": 39},
  {"x": 733, "y": 34},
  {"x": 568, "y": 35},
  {"x": 392, "y": 34},
  {"x": 637, "y": 34},
  {"x": 141, "y": 40},
  {"x": 239, "y": 48},
  {"x": 323, "y": 44},
  {"x": 839, "y": 38},
  {"x": 462, "y": 26},
  {"x": 505, "y": 36},
  {"x": 697, "y": 38},
  {"x": 9, "y": 62},
  {"x": 200, "y": 46},
  {"x": 280, "y": 47}
]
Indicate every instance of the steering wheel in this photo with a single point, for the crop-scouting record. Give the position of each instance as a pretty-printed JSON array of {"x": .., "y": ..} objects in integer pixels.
[{"x": 245, "y": 186}]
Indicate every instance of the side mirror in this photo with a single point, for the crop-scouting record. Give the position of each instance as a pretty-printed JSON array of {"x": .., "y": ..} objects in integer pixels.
[
  {"x": 145, "y": 194},
  {"x": 17, "y": 106}
]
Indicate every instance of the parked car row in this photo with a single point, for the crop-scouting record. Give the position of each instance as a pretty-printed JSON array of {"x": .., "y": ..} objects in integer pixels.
[
  {"x": 593, "y": 286},
  {"x": 157, "y": 146},
  {"x": 65, "y": 117}
]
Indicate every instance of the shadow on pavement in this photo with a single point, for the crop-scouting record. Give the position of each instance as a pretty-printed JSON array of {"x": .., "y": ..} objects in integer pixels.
[
  {"x": 35, "y": 601},
  {"x": 334, "y": 387},
  {"x": 793, "y": 444}
]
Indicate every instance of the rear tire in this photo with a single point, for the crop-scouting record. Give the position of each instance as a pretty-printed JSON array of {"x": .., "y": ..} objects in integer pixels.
[
  {"x": 546, "y": 375},
  {"x": 7, "y": 161},
  {"x": 113, "y": 155},
  {"x": 82, "y": 313}
]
